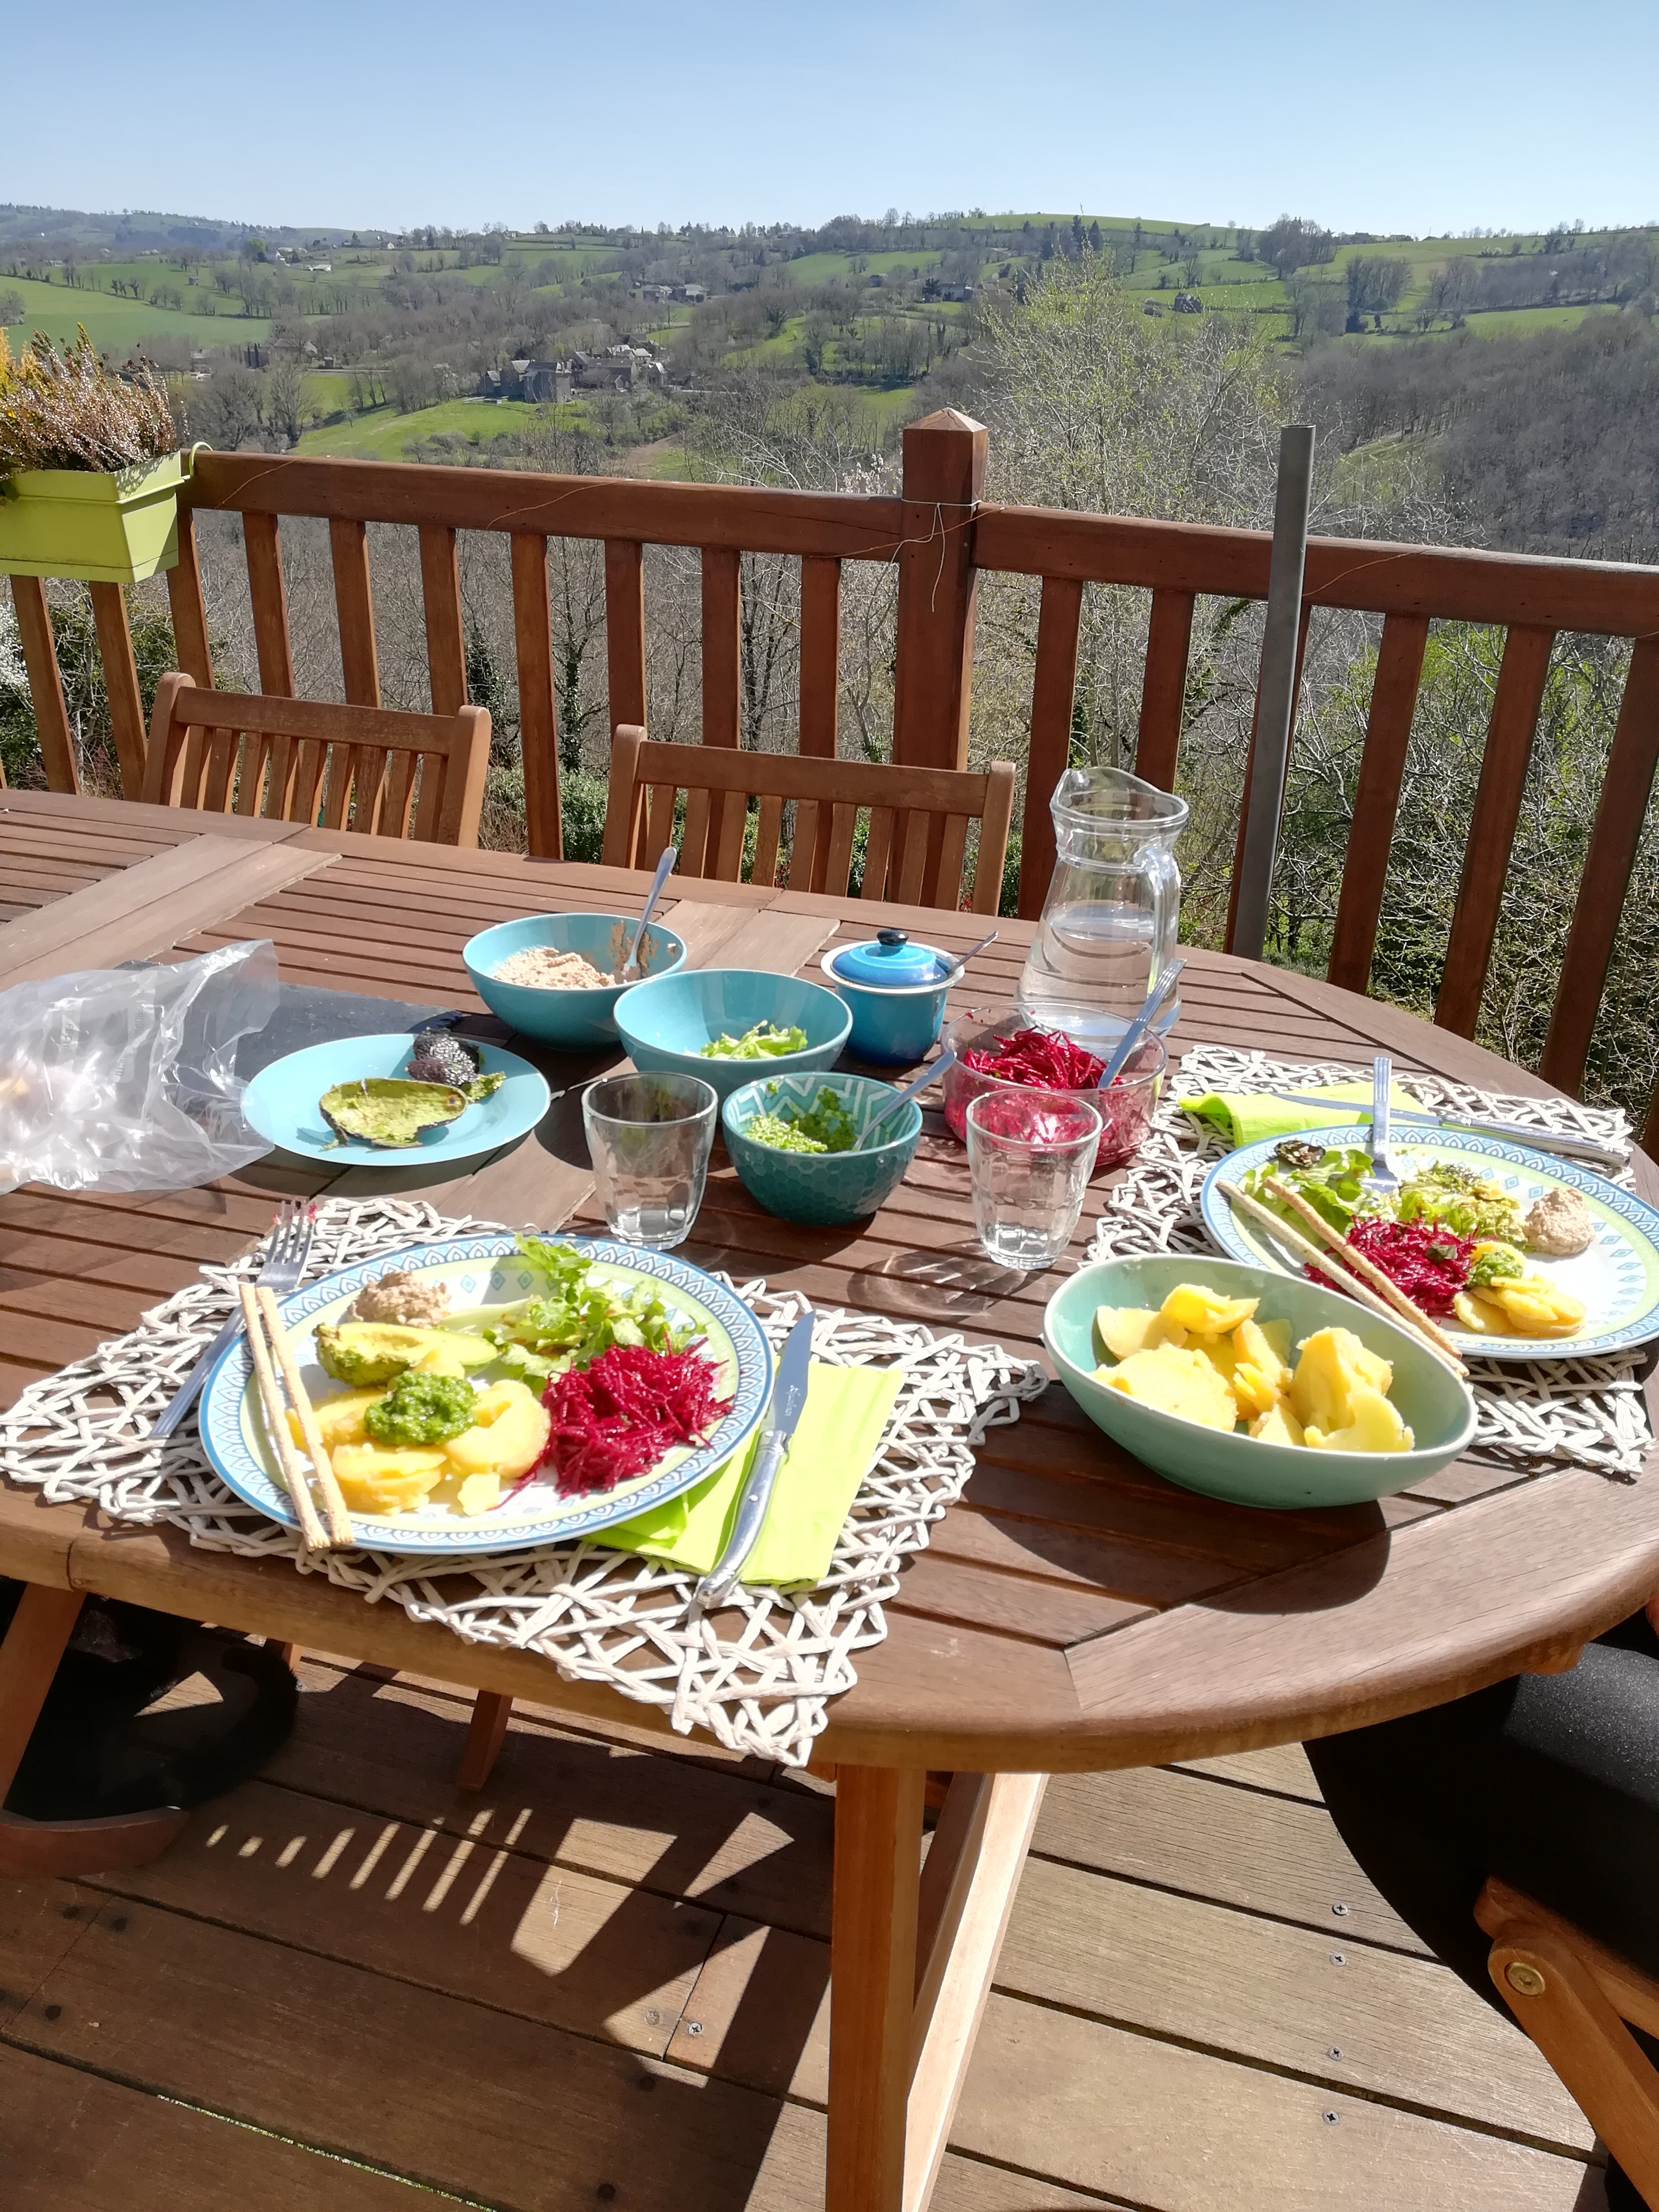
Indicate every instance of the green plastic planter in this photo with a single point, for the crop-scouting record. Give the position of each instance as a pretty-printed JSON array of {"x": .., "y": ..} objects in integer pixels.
[{"x": 100, "y": 528}]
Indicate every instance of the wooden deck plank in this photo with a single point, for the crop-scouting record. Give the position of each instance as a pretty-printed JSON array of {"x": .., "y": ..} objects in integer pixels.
[
  {"x": 71, "y": 2139},
  {"x": 1156, "y": 2124},
  {"x": 720, "y": 1839},
  {"x": 469, "y": 1915},
  {"x": 454, "y": 2095},
  {"x": 1183, "y": 1832}
]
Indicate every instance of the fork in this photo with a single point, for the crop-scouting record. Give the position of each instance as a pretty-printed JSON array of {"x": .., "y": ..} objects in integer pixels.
[
  {"x": 288, "y": 1247},
  {"x": 1382, "y": 1182}
]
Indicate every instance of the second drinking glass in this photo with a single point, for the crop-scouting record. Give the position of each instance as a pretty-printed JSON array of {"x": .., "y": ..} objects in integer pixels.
[
  {"x": 1029, "y": 1156},
  {"x": 649, "y": 1137}
]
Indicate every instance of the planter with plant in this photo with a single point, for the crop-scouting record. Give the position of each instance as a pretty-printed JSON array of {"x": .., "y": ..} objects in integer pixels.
[{"x": 89, "y": 467}]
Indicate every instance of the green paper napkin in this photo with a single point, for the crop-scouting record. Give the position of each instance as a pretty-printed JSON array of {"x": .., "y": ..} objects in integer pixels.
[
  {"x": 1247, "y": 1117},
  {"x": 834, "y": 1446}
]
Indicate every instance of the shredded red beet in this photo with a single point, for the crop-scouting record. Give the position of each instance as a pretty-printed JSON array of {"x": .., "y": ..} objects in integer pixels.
[
  {"x": 1429, "y": 1263},
  {"x": 616, "y": 1418},
  {"x": 1042, "y": 1057}
]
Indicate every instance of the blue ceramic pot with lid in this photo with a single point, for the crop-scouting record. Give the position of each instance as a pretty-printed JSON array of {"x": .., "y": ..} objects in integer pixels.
[{"x": 897, "y": 994}]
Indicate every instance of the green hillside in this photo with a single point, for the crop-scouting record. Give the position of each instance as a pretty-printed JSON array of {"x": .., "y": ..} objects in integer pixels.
[{"x": 117, "y": 325}]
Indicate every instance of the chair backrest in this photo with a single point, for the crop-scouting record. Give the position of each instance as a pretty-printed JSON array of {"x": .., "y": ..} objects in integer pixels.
[
  {"x": 306, "y": 760},
  {"x": 918, "y": 819}
]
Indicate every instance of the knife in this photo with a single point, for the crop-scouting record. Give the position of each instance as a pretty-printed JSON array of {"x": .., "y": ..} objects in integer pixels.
[
  {"x": 1517, "y": 1133},
  {"x": 789, "y": 1397}
]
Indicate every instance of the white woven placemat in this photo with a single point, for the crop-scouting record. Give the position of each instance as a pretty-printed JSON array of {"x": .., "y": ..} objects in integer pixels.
[
  {"x": 600, "y": 1616},
  {"x": 1587, "y": 1412}
]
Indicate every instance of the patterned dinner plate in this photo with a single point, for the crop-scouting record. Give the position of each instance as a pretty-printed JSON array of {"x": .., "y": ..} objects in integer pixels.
[
  {"x": 1616, "y": 1276},
  {"x": 486, "y": 1271}
]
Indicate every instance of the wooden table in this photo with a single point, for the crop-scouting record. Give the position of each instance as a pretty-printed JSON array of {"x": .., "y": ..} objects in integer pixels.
[{"x": 1073, "y": 1612}]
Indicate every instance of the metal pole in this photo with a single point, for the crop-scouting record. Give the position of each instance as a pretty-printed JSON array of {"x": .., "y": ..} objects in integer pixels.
[{"x": 1275, "y": 688}]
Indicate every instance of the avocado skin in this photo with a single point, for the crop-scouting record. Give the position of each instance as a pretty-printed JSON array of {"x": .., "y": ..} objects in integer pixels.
[{"x": 364, "y": 1352}]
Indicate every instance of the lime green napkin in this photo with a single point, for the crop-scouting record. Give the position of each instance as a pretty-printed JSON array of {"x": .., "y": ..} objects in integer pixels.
[
  {"x": 834, "y": 1446},
  {"x": 1247, "y": 1117}
]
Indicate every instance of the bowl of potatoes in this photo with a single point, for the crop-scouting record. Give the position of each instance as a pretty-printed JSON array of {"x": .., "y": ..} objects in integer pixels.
[{"x": 1250, "y": 1385}]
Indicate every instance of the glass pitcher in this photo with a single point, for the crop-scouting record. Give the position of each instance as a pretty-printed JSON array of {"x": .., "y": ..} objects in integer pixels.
[{"x": 1113, "y": 912}]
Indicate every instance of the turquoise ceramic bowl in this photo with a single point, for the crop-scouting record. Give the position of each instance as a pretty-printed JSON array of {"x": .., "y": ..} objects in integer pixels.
[
  {"x": 666, "y": 1022},
  {"x": 1436, "y": 1407},
  {"x": 822, "y": 1188},
  {"x": 570, "y": 1018}
]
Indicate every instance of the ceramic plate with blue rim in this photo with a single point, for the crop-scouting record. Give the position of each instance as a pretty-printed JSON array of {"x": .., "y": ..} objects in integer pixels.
[
  {"x": 482, "y": 1271},
  {"x": 281, "y": 1103},
  {"x": 1616, "y": 1276}
]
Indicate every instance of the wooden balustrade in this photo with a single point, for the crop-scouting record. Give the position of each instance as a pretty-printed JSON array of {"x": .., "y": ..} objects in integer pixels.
[{"x": 940, "y": 535}]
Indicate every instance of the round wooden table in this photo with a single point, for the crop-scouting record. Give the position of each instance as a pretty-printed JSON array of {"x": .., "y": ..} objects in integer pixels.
[{"x": 1073, "y": 1612}]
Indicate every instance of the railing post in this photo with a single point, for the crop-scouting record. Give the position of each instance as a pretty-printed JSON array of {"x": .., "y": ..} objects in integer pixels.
[
  {"x": 943, "y": 476},
  {"x": 28, "y": 596}
]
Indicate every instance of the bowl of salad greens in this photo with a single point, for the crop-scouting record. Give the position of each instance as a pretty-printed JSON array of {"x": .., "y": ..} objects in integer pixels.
[
  {"x": 730, "y": 1025},
  {"x": 794, "y": 1142}
]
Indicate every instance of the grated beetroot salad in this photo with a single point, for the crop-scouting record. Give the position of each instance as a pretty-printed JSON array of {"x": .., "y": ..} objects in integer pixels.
[
  {"x": 1430, "y": 1264},
  {"x": 616, "y": 1418},
  {"x": 1042, "y": 1057}
]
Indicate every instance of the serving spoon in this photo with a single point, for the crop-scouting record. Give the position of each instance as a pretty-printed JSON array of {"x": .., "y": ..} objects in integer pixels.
[
  {"x": 663, "y": 866},
  {"x": 1142, "y": 1022},
  {"x": 929, "y": 1074}
]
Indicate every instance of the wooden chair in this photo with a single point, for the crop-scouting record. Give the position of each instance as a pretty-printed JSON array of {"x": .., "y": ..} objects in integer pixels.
[
  {"x": 918, "y": 832},
  {"x": 303, "y": 760},
  {"x": 1573, "y": 1996}
]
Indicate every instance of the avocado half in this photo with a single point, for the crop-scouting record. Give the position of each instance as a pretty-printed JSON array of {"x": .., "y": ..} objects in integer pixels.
[{"x": 389, "y": 1110}]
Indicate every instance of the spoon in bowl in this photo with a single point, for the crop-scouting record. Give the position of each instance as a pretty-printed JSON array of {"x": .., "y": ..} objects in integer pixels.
[
  {"x": 929, "y": 1074},
  {"x": 1142, "y": 1022},
  {"x": 953, "y": 970},
  {"x": 663, "y": 866}
]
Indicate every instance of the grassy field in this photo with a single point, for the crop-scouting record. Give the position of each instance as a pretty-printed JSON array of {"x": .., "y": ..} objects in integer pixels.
[
  {"x": 382, "y": 434},
  {"x": 822, "y": 268},
  {"x": 117, "y": 325}
]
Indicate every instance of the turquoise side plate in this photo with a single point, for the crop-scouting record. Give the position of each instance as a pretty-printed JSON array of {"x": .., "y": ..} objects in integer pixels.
[{"x": 281, "y": 1103}]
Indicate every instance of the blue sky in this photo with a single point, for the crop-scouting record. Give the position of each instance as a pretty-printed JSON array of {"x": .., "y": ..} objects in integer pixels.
[{"x": 1413, "y": 118}]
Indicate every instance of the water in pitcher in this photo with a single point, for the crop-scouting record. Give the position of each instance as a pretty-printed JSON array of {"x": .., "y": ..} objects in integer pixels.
[{"x": 1113, "y": 912}]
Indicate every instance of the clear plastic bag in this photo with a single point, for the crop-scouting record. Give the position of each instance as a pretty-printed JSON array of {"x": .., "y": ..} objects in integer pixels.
[{"x": 124, "y": 1079}]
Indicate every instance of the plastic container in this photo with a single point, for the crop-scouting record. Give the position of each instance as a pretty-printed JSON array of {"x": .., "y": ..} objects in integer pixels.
[
  {"x": 569, "y": 1018},
  {"x": 1127, "y": 1109},
  {"x": 104, "y": 527},
  {"x": 666, "y": 1022},
  {"x": 895, "y": 991},
  {"x": 822, "y": 1188}
]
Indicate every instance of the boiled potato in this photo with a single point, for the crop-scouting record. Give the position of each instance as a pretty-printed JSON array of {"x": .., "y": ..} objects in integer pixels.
[
  {"x": 1373, "y": 1426},
  {"x": 478, "y": 1493},
  {"x": 1332, "y": 1364},
  {"x": 1278, "y": 1333},
  {"x": 510, "y": 1435},
  {"x": 1254, "y": 1392},
  {"x": 1536, "y": 1308},
  {"x": 1125, "y": 1330},
  {"x": 1176, "y": 1380},
  {"x": 340, "y": 1420},
  {"x": 1205, "y": 1312},
  {"x": 1258, "y": 1343},
  {"x": 1278, "y": 1425},
  {"x": 1476, "y": 1312},
  {"x": 385, "y": 1478}
]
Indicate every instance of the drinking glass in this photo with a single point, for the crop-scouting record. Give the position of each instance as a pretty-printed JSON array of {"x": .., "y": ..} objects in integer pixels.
[
  {"x": 649, "y": 1137},
  {"x": 1029, "y": 1155}
]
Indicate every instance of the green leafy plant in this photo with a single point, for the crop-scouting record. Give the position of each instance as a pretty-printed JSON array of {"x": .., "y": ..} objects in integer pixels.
[{"x": 70, "y": 409}]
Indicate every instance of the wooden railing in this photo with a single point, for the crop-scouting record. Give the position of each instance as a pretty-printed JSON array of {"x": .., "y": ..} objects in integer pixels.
[{"x": 940, "y": 537}]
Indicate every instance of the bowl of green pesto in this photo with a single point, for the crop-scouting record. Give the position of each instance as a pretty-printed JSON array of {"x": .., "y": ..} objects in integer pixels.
[{"x": 794, "y": 1141}]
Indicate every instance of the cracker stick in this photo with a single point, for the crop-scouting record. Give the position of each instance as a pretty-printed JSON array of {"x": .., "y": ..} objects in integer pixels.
[
  {"x": 340, "y": 1536},
  {"x": 294, "y": 1474}
]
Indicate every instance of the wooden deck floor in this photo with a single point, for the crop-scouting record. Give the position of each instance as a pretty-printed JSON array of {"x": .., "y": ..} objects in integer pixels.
[{"x": 602, "y": 1983}]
